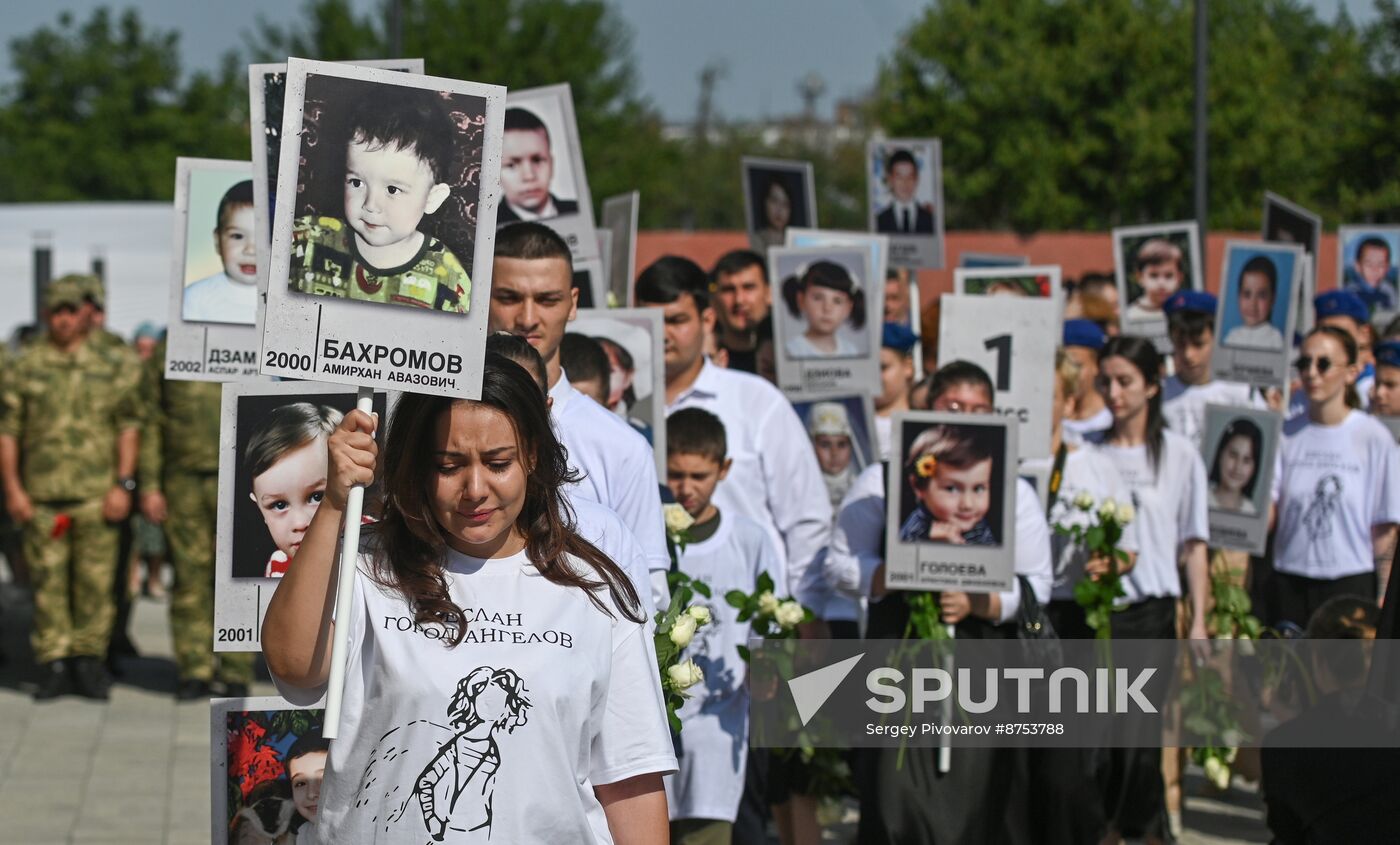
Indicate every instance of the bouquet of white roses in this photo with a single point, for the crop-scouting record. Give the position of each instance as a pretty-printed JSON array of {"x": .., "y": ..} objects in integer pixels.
[
  {"x": 769, "y": 617},
  {"x": 1099, "y": 533},
  {"x": 675, "y": 628}
]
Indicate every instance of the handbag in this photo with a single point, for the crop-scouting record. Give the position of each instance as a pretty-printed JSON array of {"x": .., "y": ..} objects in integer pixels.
[{"x": 1032, "y": 623}]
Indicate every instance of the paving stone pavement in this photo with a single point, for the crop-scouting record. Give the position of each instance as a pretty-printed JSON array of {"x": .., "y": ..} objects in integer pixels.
[
  {"x": 135, "y": 770},
  {"x": 132, "y": 771}
]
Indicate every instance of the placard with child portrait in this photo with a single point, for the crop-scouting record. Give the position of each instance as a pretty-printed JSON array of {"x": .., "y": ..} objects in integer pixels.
[
  {"x": 588, "y": 281},
  {"x": 904, "y": 177},
  {"x": 213, "y": 287},
  {"x": 1238, "y": 446},
  {"x": 272, "y": 474},
  {"x": 620, "y": 218},
  {"x": 1150, "y": 263},
  {"x": 380, "y": 269},
  {"x": 982, "y": 260},
  {"x": 1368, "y": 265},
  {"x": 1038, "y": 282},
  {"x": 268, "y": 758},
  {"x": 634, "y": 341},
  {"x": 777, "y": 194},
  {"x": 1014, "y": 340},
  {"x": 542, "y": 174},
  {"x": 267, "y": 91},
  {"x": 841, "y": 429},
  {"x": 951, "y": 502},
  {"x": 1286, "y": 222},
  {"x": 1256, "y": 312},
  {"x": 825, "y": 303}
]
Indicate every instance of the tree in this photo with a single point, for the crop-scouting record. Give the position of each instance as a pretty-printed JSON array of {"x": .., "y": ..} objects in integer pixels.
[
  {"x": 99, "y": 111},
  {"x": 1078, "y": 114}
]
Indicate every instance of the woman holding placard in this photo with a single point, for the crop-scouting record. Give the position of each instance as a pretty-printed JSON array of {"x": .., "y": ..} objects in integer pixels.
[
  {"x": 1167, "y": 480},
  {"x": 1338, "y": 494},
  {"x": 550, "y": 727}
]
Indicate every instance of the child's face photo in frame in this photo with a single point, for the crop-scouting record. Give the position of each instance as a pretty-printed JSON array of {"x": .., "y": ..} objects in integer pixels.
[
  {"x": 825, "y": 301},
  {"x": 777, "y": 197},
  {"x": 220, "y": 259},
  {"x": 902, "y": 185},
  {"x": 953, "y": 484},
  {"x": 1236, "y": 466},
  {"x": 1288, "y": 223},
  {"x": 537, "y": 175},
  {"x": 1155, "y": 264},
  {"x": 280, "y": 474},
  {"x": 1258, "y": 291},
  {"x": 388, "y": 193},
  {"x": 1370, "y": 257},
  {"x": 839, "y": 432},
  {"x": 1022, "y": 285},
  {"x": 275, "y": 764}
]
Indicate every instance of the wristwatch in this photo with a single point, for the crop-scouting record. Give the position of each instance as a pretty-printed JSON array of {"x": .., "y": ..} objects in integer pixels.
[{"x": 127, "y": 483}]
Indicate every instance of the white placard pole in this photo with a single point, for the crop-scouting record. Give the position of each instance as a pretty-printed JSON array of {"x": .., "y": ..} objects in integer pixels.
[{"x": 345, "y": 591}]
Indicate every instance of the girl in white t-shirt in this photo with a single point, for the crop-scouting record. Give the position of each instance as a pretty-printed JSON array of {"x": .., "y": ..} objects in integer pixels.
[
  {"x": 1167, "y": 479},
  {"x": 501, "y": 685},
  {"x": 1338, "y": 494}
]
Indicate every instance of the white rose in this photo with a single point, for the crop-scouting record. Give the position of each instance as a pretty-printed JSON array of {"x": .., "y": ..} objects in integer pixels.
[
  {"x": 1126, "y": 513},
  {"x": 683, "y": 630},
  {"x": 685, "y": 675},
  {"x": 1225, "y": 635},
  {"x": 1217, "y": 772},
  {"x": 767, "y": 603},
  {"x": 1108, "y": 509},
  {"x": 789, "y": 614},
  {"x": 1231, "y": 754},
  {"x": 677, "y": 519},
  {"x": 700, "y": 613},
  {"x": 1084, "y": 501}
]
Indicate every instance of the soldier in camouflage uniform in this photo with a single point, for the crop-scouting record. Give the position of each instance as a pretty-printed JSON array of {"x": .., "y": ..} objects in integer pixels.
[
  {"x": 112, "y": 345},
  {"x": 69, "y": 430},
  {"x": 179, "y": 488}
]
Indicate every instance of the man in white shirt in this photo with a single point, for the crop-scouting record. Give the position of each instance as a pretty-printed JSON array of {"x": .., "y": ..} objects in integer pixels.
[
  {"x": 532, "y": 296},
  {"x": 1185, "y": 395},
  {"x": 775, "y": 479}
]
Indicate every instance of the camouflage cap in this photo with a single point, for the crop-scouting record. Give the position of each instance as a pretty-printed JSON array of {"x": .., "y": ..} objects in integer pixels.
[
  {"x": 65, "y": 291},
  {"x": 91, "y": 287}
]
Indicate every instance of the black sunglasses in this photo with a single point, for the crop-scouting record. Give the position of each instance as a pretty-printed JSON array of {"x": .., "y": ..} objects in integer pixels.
[{"x": 1305, "y": 362}]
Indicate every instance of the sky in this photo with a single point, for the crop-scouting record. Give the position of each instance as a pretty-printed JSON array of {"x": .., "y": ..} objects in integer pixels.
[{"x": 843, "y": 41}]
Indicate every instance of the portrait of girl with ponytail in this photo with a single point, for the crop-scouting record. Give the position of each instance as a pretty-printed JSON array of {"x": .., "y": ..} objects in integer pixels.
[{"x": 830, "y": 307}]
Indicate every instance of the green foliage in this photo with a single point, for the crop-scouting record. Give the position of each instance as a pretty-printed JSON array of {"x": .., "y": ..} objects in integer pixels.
[
  {"x": 99, "y": 110},
  {"x": 1078, "y": 114}
]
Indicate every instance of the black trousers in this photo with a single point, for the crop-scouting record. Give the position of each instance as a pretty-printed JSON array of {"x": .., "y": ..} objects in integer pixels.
[
  {"x": 1297, "y": 598},
  {"x": 1134, "y": 796}
]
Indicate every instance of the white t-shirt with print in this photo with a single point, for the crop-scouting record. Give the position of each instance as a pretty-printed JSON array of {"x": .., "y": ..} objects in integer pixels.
[
  {"x": 1184, "y": 405},
  {"x": 714, "y": 737},
  {"x": 1171, "y": 510},
  {"x": 1085, "y": 471},
  {"x": 1336, "y": 483},
  {"x": 501, "y": 738}
]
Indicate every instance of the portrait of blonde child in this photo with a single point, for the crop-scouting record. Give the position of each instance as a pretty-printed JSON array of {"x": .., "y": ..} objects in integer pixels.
[
  {"x": 231, "y": 295},
  {"x": 1159, "y": 269},
  {"x": 1256, "y": 293},
  {"x": 398, "y": 158},
  {"x": 286, "y": 460},
  {"x": 950, "y": 470},
  {"x": 826, "y": 298}
]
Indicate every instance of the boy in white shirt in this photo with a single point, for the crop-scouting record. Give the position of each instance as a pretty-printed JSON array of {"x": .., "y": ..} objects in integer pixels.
[
  {"x": 1185, "y": 395},
  {"x": 726, "y": 552},
  {"x": 1082, "y": 340}
]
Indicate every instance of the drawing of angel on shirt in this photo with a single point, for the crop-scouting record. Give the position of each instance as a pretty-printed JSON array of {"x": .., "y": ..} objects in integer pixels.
[{"x": 455, "y": 789}]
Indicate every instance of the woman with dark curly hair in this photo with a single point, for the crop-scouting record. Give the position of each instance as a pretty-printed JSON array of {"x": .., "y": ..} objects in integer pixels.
[{"x": 476, "y": 603}]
